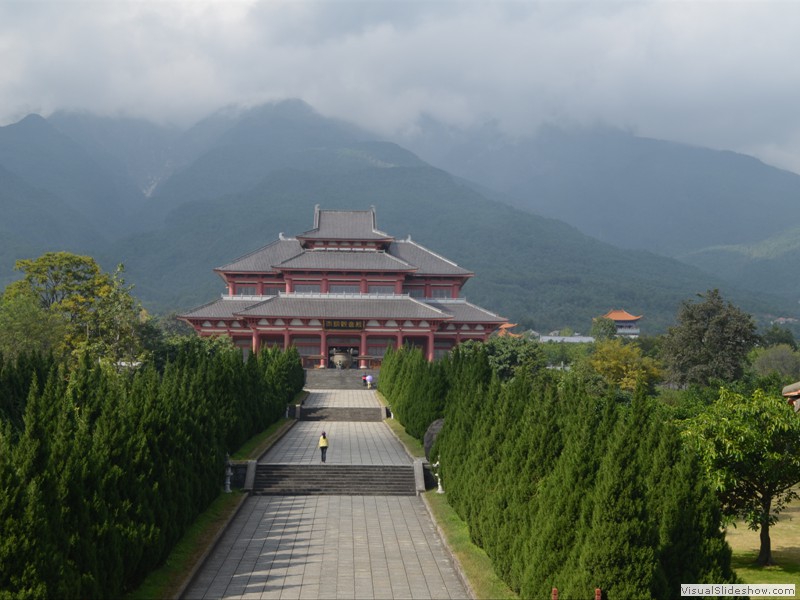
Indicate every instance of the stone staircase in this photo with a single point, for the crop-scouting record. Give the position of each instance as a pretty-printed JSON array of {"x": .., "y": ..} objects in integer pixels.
[
  {"x": 331, "y": 479},
  {"x": 335, "y": 379},
  {"x": 376, "y": 413}
]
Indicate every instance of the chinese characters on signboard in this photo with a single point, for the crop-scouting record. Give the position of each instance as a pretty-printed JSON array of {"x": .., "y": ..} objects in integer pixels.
[{"x": 343, "y": 324}]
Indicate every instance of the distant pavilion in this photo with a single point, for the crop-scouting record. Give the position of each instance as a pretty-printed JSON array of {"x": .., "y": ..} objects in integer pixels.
[
  {"x": 344, "y": 288},
  {"x": 627, "y": 324}
]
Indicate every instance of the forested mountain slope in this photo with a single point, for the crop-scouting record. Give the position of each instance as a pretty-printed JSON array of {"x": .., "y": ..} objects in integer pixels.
[
  {"x": 630, "y": 191},
  {"x": 173, "y": 205}
]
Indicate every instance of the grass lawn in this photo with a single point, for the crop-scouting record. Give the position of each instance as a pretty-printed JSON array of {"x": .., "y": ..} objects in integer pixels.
[
  {"x": 785, "y": 536},
  {"x": 260, "y": 443},
  {"x": 475, "y": 564}
]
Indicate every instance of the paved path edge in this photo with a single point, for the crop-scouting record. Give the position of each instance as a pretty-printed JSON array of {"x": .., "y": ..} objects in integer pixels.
[
  {"x": 221, "y": 531},
  {"x": 209, "y": 548},
  {"x": 286, "y": 427},
  {"x": 456, "y": 564}
]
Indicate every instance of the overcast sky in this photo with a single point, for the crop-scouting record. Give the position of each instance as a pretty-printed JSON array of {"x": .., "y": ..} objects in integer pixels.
[{"x": 718, "y": 73}]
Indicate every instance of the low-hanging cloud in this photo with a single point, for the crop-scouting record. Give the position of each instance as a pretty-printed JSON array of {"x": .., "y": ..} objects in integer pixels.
[{"x": 712, "y": 73}]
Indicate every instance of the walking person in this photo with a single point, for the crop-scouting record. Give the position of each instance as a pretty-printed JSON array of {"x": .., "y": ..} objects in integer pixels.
[{"x": 323, "y": 445}]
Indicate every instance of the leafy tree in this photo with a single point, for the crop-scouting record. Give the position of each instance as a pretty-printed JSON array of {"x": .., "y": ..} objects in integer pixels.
[
  {"x": 650, "y": 345},
  {"x": 603, "y": 328},
  {"x": 710, "y": 342},
  {"x": 98, "y": 310},
  {"x": 510, "y": 356},
  {"x": 61, "y": 279},
  {"x": 778, "y": 335},
  {"x": 623, "y": 365},
  {"x": 559, "y": 354},
  {"x": 781, "y": 359},
  {"x": 27, "y": 327},
  {"x": 748, "y": 444}
]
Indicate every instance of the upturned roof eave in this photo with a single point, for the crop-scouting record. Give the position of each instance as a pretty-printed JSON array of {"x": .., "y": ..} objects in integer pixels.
[{"x": 438, "y": 316}]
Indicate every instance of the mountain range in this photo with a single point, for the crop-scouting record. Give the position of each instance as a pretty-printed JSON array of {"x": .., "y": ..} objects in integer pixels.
[{"x": 558, "y": 228}]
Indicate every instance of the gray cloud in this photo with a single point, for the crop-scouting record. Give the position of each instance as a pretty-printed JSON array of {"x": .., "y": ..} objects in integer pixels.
[{"x": 714, "y": 73}]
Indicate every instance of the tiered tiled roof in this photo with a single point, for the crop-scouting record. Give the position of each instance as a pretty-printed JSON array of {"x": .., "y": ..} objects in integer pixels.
[
  {"x": 402, "y": 255},
  {"x": 464, "y": 312},
  {"x": 344, "y": 306},
  {"x": 345, "y": 260},
  {"x": 226, "y": 307},
  {"x": 327, "y": 306},
  {"x": 427, "y": 262},
  {"x": 264, "y": 259},
  {"x": 344, "y": 225}
]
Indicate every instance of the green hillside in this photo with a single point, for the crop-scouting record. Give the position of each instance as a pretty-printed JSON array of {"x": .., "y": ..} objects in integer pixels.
[
  {"x": 35, "y": 221},
  {"x": 630, "y": 191},
  {"x": 772, "y": 264},
  {"x": 46, "y": 159}
]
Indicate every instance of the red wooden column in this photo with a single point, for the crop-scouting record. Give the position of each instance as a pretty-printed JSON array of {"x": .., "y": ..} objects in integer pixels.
[
  {"x": 430, "y": 346},
  {"x": 362, "y": 364},
  {"x": 399, "y": 336},
  {"x": 323, "y": 349},
  {"x": 286, "y": 339},
  {"x": 256, "y": 342}
]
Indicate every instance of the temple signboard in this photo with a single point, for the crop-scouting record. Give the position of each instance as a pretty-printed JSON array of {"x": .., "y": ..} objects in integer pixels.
[{"x": 343, "y": 324}]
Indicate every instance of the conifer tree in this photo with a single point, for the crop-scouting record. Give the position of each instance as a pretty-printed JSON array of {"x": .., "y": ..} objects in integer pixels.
[{"x": 561, "y": 509}]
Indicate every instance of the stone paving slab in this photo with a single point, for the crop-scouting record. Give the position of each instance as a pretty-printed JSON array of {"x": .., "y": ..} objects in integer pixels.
[
  {"x": 329, "y": 547},
  {"x": 351, "y": 443},
  {"x": 341, "y": 399}
]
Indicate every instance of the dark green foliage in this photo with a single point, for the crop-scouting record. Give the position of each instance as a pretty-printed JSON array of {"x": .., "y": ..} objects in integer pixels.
[
  {"x": 603, "y": 328},
  {"x": 564, "y": 487},
  {"x": 416, "y": 388},
  {"x": 711, "y": 341},
  {"x": 509, "y": 356},
  {"x": 102, "y": 472},
  {"x": 15, "y": 381},
  {"x": 747, "y": 443},
  {"x": 778, "y": 335}
]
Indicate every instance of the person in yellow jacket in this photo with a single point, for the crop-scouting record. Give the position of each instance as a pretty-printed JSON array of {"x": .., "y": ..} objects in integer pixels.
[{"x": 323, "y": 445}]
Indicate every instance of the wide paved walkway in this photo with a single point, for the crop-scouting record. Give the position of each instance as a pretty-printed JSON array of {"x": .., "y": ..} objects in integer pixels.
[{"x": 331, "y": 546}]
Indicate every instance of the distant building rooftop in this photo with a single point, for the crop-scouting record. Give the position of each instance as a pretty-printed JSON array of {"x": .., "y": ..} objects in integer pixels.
[
  {"x": 620, "y": 315},
  {"x": 568, "y": 339}
]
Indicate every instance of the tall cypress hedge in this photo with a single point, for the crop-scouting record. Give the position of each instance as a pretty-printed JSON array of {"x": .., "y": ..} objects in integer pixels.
[
  {"x": 561, "y": 486},
  {"x": 102, "y": 472}
]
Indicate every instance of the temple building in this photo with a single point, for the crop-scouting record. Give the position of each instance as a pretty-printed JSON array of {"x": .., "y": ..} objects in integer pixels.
[
  {"x": 627, "y": 324},
  {"x": 342, "y": 293}
]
